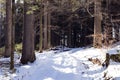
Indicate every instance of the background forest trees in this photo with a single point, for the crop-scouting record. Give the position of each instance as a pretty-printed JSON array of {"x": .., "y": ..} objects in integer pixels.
[{"x": 45, "y": 24}]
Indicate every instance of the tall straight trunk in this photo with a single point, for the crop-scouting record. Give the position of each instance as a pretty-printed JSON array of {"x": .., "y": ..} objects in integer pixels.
[
  {"x": 28, "y": 54},
  {"x": 41, "y": 30},
  {"x": 13, "y": 36},
  {"x": 45, "y": 27},
  {"x": 97, "y": 24},
  {"x": 8, "y": 29},
  {"x": 49, "y": 30}
]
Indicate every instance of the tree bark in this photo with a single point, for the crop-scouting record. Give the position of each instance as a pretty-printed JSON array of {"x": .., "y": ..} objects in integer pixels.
[
  {"x": 117, "y": 33},
  {"x": 41, "y": 31},
  {"x": 49, "y": 30},
  {"x": 13, "y": 36},
  {"x": 69, "y": 42},
  {"x": 28, "y": 54},
  {"x": 45, "y": 26},
  {"x": 97, "y": 24},
  {"x": 8, "y": 29}
]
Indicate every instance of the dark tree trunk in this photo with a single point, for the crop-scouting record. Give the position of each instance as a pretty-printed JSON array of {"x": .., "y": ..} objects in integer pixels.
[
  {"x": 108, "y": 32},
  {"x": 74, "y": 36},
  {"x": 28, "y": 54},
  {"x": 13, "y": 36},
  {"x": 49, "y": 30},
  {"x": 8, "y": 29},
  {"x": 69, "y": 42},
  {"x": 117, "y": 33}
]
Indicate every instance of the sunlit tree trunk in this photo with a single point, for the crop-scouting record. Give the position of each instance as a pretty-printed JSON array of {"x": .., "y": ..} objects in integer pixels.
[
  {"x": 41, "y": 30},
  {"x": 45, "y": 26},
  {"x": 97, "y": 24}
]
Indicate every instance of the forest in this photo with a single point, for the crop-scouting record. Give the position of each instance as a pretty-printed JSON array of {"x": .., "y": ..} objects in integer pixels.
[{"x": 29, "y": 29}]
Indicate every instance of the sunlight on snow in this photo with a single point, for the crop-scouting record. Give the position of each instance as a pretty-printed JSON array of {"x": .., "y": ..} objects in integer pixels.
[
  {"x": 66, "y": 70},
  {"x": 48, "y": 79},
  {"x": 58, "y": 60},
  {"x": 114, "y": 70},
  {"x": 27, "y": 66},
  {"x": 65, "y": 60}
]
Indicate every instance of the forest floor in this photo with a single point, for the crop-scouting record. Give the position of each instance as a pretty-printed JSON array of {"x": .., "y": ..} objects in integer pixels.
[{"x": 70, "y": 64}]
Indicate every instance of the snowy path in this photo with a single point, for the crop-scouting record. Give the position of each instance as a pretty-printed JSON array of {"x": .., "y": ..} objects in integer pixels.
[{"x": 69, "y": 65}]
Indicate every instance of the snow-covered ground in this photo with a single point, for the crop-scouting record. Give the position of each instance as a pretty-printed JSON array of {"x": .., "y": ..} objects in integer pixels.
[{"x": 67, "y": 65}]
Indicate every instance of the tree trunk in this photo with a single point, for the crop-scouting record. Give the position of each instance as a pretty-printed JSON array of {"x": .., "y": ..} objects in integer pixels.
[
  {"x": 69, "y": 42},
  {"x": 13, "y": 36},
  {"x": 41, "y": 31},
  {"x": 97, "y": 24},
  {"x": 45, "y": 27},
  {"x": 49, "y": 30},
  {"x": 117, "y": 33},
  {"x": 1, "y": 30},
  {"x": 8, "y": 29},
  {"x": 28, "y": 54}
]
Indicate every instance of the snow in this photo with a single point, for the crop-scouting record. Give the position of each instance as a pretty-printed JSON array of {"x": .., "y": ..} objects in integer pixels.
[{"x": 69, "y": 64}]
